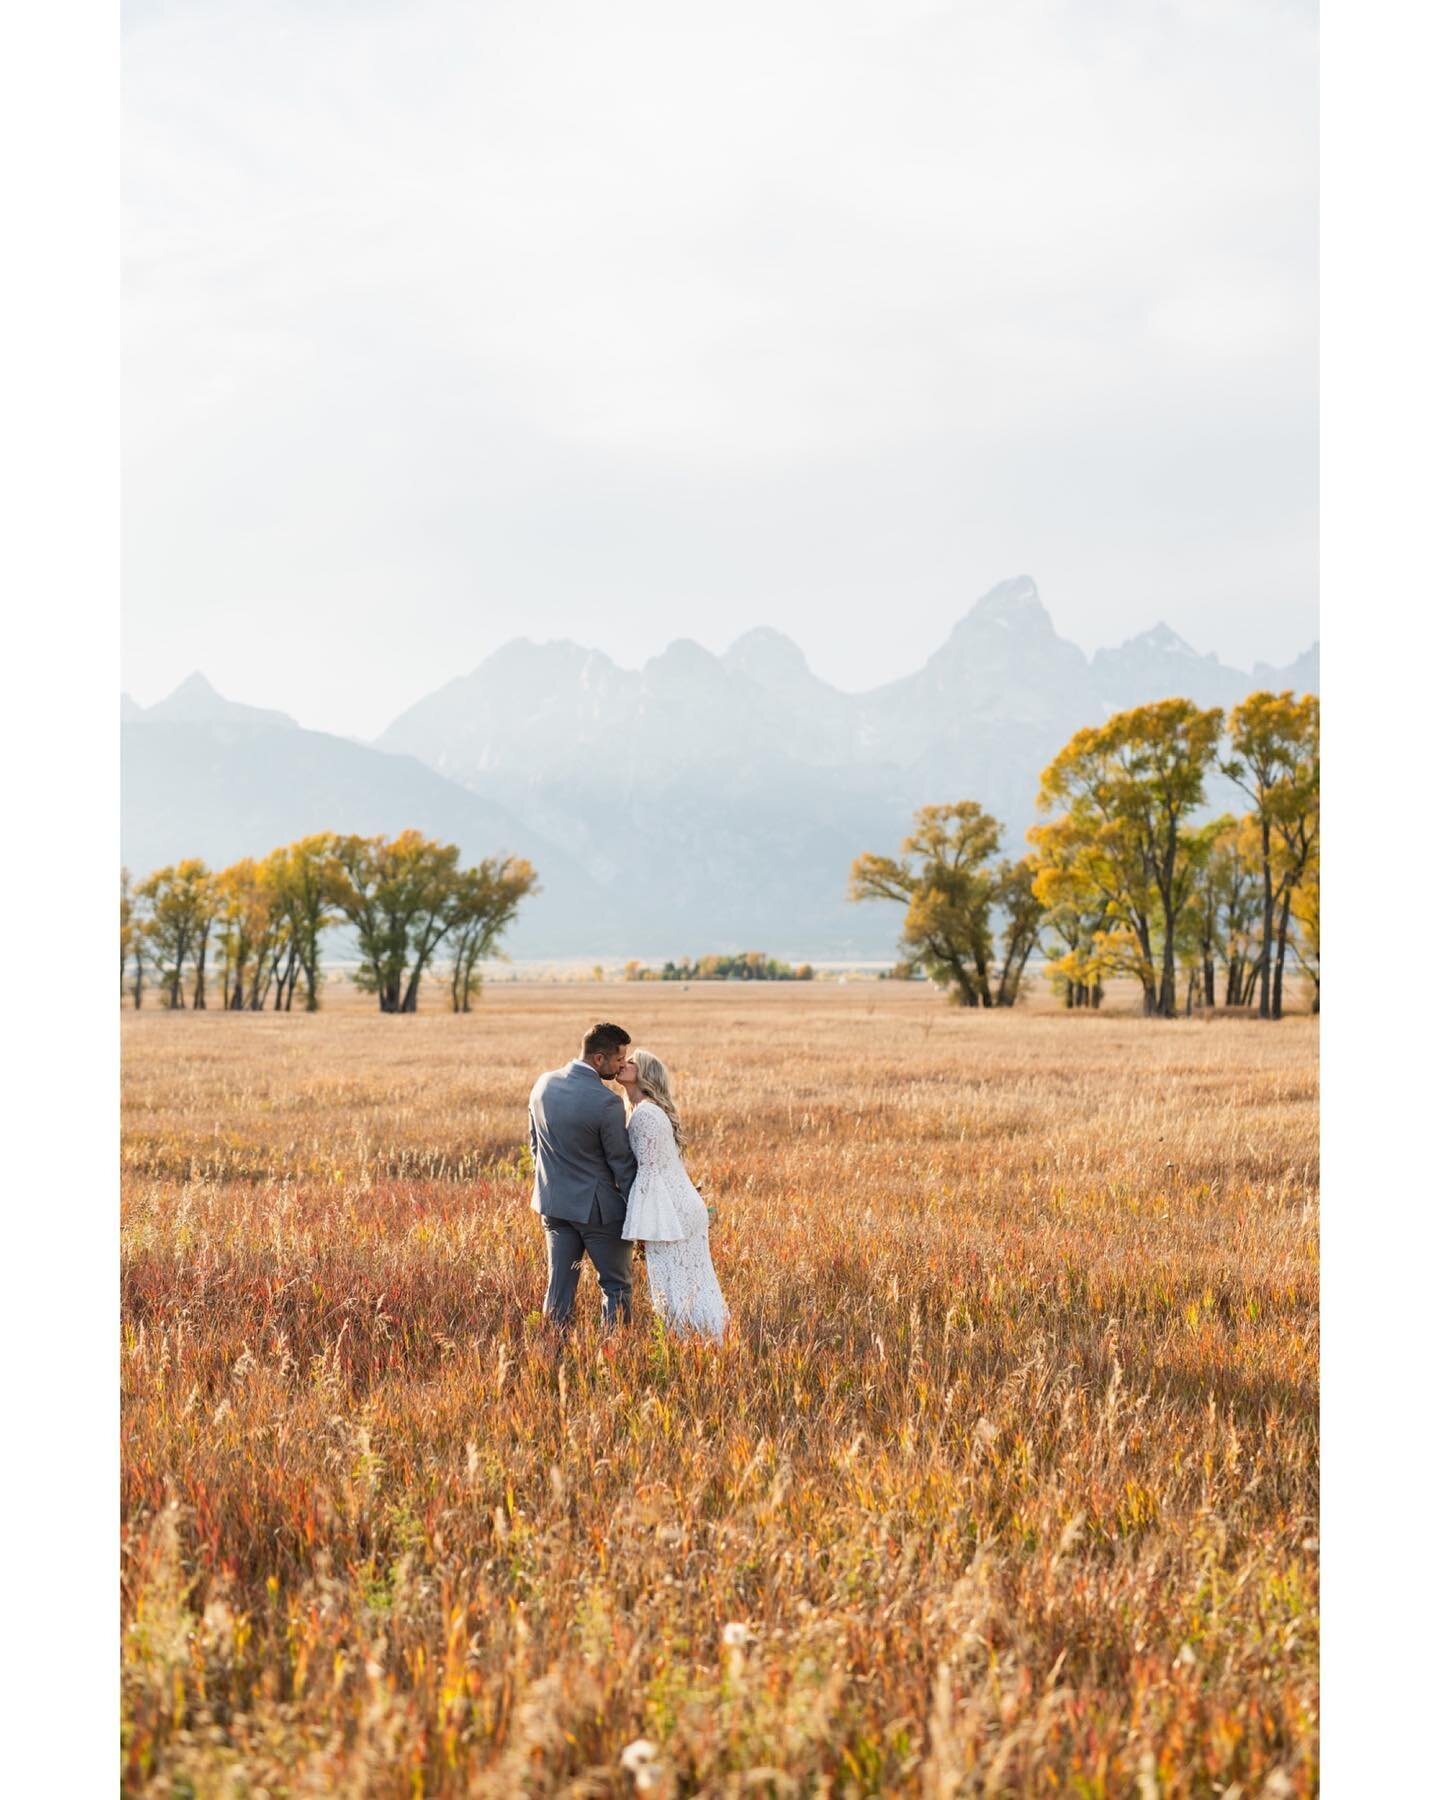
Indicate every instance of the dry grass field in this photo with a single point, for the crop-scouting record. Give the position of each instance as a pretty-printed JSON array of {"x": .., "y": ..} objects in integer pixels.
[{"x": 1005, "y": 1481}]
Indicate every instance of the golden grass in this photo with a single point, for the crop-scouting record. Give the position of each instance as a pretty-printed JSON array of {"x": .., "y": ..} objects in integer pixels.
[{"x": 1008, "y": 1469}]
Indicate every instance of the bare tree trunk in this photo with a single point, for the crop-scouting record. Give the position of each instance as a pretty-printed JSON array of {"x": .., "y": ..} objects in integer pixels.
[
  {"x": 139, "y": 977},
  {"x": 1147, "y": 964},
  {"x": 1282, "y": 933},
  {"x": 286, "y": 977},
  {"x": 200, "y": 967},
  {"x": 959, "y": 980},
  {"x": 1167, "y": 969},
  {"x": 1268, "y": 929}
]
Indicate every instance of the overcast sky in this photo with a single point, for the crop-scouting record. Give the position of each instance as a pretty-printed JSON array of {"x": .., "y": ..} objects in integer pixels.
[{"x": 449, "y": 322}]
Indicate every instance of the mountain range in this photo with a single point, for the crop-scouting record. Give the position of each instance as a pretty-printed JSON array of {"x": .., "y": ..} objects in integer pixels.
[{"x": 698, "y": 803}]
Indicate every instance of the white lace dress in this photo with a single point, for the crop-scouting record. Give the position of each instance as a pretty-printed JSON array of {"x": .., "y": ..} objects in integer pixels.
[{"x": 666, "y": 1211}]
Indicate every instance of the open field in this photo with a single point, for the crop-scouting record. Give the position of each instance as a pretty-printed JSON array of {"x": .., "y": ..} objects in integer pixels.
[{"x": 1005, "y": 1482}]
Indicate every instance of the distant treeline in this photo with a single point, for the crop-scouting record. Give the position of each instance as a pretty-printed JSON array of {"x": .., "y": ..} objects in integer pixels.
[
  {"x": 250, "y": 934},
  {"x": 1120, "y": 881},
  {"x": 748, "y": 965}
]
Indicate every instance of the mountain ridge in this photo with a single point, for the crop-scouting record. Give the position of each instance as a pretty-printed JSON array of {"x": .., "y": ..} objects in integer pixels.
[{"x": 700, "y": 802}]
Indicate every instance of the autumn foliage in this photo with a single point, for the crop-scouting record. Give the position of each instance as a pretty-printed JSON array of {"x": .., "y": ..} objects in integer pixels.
[
  {"x": 1126, "y": 876},
  {"x": 262, "y": 924}
]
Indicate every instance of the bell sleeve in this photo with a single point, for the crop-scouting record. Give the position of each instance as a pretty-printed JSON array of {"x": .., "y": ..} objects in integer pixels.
[{"x": 650, "y": 1213}]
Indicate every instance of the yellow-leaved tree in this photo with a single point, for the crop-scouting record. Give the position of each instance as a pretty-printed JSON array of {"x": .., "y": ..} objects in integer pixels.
[
  {"x": 129, "y": 933},
  {"x": 250, "y": 929},
  {"x": 182, "y": 904},
  {"x": 953, "y": 884},
  {"x": 1274, "y": 758},
  {"x": 405, "y": 896},
  {"x": 303, "y": 878},
  {"x": 1127, "y": 789},
  {"x": 1225, "y": 910},
  {"x": 484, "y": 902}
]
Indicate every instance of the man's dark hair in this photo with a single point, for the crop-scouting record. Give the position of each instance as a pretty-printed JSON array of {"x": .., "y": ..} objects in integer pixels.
[{"x": 604, "y": 1037}]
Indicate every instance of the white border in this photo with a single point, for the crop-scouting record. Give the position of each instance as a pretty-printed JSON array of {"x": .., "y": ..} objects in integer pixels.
[
  {"x": 60, "y": 543},
  {"x": 1380, "y": 477}
]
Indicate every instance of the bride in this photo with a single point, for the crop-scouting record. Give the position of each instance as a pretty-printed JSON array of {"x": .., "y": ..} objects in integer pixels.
[{"x": 665, "y": 1209}]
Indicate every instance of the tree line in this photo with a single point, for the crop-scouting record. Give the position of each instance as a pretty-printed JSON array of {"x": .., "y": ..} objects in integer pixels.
[
  {"x": 1122, "y": 878},
  {"x": 250, "y": 934},
  {"x": 746, "y": 965}
]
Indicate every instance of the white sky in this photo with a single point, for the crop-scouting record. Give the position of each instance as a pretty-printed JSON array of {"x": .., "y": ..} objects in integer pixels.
[{"x": 451, "y": 322}]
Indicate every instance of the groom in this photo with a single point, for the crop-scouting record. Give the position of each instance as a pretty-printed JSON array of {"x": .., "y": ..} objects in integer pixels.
[{"x": 584, "y": 1170}]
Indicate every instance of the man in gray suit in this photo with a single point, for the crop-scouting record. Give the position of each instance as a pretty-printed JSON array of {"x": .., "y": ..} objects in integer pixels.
[{"x": 584, "y": 1171}]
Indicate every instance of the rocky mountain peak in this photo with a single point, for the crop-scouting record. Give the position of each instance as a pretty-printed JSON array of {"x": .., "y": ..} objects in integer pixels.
[
  {"x": 768, "y": 657},
  {"x": 1013, "y": 605},
  {"x": 1161, "y": 638},
  {"x": 685, "y": 660},
  {"x": 197, "y": 702}
]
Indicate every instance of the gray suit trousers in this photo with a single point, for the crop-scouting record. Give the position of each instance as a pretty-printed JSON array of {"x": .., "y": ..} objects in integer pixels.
[{"x": 568, "y": 1245}]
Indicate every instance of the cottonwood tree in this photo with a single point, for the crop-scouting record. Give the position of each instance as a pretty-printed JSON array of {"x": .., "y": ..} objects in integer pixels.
[
  {"x": 258, "y": 946},
  {"x": 1297, "y": 821},
  {"x": 139, "y": 956},
  {"x": 1274, "y": 758},
  {"x": 278, "y": 964},
  {"x": 404, "y": 896},
  {"x": 1021, "y": 912},
  {"x": 204, "y": 924},
  {"x": 1076, "y": 912},
  {"x": 1233, "y": 875},
  {"x": 951, "y": 880},
  {"x": 1224, "y": 906},
  {"x": 484, "y": 902},
  {"x": 129, "y": 928},
  {"x": 246, "y": 927},
  {"x": 181, "y": 900},
  {"x": 303, "y": 877},
  {"x": 395, "y": 893},
  {"x": 134, "y": 942},
  {"x": 1128, "y": 786},
  {"x": 1305, "y": 910}
]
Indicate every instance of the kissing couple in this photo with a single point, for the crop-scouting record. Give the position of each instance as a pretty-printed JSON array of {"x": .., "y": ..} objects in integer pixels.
[{"x": 609, "y": 1175}]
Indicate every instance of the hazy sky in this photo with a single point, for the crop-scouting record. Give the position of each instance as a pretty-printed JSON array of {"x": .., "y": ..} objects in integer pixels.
[{"x": 449, "y": 321}]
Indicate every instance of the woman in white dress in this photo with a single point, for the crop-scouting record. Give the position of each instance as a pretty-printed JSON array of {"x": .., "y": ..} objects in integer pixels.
[{"x": 665, "y": 1209}]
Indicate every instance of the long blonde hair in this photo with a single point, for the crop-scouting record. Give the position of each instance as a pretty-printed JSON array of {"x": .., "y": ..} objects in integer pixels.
[{"x": 653, "y": 1080}]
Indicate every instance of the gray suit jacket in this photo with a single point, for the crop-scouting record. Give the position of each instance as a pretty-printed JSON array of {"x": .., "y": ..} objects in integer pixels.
[{"x": 581, "y": 1147}]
